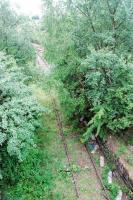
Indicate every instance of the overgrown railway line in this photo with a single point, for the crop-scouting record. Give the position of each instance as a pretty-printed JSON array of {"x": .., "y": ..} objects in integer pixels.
[
  {"x": 90, "y": 157},
  {"x": 56, "y": 110},
  {"x": 61, "y": 132},
  {"x": 44, "y": 67},
  {"x": 97, "y": 173}
]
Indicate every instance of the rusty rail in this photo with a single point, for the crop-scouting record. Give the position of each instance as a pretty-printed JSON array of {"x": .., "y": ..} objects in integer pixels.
[
  {"x": 60, "y": 127},
  {"x": 97, "y": 174},
  {"x": 61, "y": 132}
]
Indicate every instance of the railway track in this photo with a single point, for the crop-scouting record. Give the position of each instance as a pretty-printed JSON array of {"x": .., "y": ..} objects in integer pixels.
[
  {"x": 97, "y": 173},
  {"x": 44, "y": 65},
  {"x": 61, "y": 132}
]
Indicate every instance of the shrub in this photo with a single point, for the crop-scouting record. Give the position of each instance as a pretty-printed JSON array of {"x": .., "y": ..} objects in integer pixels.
[{"x": 109, "y": 85}]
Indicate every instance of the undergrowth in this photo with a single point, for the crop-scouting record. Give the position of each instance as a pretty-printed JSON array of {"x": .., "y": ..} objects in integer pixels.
[
  {"x": 35, "y": 178},
  {"x": 112, "y": 188}
]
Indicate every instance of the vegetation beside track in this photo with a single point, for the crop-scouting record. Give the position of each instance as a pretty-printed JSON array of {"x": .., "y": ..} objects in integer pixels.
[{"x": 89, "y": 45}]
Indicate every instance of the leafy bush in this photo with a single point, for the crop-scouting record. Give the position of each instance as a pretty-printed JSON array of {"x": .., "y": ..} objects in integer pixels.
[
  {"x": 109, "y": 85},
  {"x": 19, "y": 113},
  {"x": 34, "y": 178}
]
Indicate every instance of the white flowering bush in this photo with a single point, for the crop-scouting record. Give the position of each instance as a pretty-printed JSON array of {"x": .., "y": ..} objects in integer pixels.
[{"x": 19, "y": 112}]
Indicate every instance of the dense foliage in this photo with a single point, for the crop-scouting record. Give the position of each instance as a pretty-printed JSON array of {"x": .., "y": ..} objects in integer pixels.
[
  {"x": 19, "y": 112},
  {"x": 14, "y": 35},
  {"x": 90, "y": 45}
]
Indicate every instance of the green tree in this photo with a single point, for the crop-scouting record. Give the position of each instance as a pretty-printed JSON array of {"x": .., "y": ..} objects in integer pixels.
[
  {"x": 90, "y": 43},
  {"x": 14, "y": 37}
]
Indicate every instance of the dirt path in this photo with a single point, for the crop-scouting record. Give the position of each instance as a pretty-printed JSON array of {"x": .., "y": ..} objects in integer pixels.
[{"x": 85, "y": 178}]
